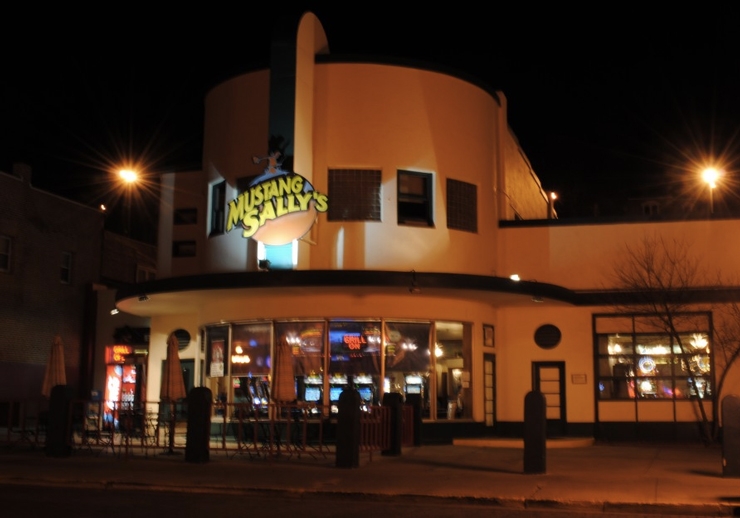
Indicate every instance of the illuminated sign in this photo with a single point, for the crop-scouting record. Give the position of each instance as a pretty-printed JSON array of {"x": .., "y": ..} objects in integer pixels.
[
  {"x": 277, "y": 207},
  {"x": 354, "y": 341},
  {"x": 117, "y": 353}
]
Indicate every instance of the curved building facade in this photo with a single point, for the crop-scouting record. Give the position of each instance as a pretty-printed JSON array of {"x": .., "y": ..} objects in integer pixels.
[{"x": 368, "y": 216}]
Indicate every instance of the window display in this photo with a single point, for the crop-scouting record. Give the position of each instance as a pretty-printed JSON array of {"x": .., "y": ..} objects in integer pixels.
[
  {"x": 317, "y": 360},
  {"x": 654, "y": 366}
]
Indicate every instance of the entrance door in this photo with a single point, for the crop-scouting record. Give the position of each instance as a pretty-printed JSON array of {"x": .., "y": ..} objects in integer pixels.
[
  {"x": 549, "y": 379},
  {"x": 489, "y": 391}
]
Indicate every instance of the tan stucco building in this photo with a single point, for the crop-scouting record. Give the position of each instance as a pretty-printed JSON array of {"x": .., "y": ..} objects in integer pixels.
[{"x": 414, "y": 206}]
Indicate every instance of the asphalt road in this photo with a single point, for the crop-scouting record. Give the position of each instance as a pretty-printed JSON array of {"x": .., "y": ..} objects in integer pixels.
[{"x": 45, "y": 502}]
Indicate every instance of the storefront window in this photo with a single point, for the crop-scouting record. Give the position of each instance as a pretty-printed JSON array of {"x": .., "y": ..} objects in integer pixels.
[
  {"x": 305, "y": 341},
  {"x": 452, "y": 368},
  {"x": 311, "y": 362},
  {"x": 654, "y": 366},
  {"x": 250, "y": 364},
  {"x": 354, "y": 359},
  {"x": 407, "y": 360}
]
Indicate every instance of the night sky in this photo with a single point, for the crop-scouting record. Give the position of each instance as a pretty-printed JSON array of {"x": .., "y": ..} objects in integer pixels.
[{"x": 606, "y": 104}]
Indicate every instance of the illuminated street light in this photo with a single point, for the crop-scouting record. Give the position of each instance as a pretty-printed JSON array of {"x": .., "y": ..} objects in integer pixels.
[
  {"x": 130, "y": 178},
  {"x": 551, "y": 205},
  {"x": 710, "y": 177}
]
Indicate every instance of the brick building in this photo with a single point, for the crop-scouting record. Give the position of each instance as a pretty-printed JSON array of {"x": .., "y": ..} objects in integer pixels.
[{"x": 51, "y": 278}]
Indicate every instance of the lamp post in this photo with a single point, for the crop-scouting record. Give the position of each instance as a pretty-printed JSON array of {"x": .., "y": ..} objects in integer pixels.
[
  {"x": 710, "y": 176},
  {"x": 129, "y": 178}
]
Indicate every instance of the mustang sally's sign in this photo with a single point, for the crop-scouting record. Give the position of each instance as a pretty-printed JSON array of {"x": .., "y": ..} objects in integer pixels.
[{"x": 277, "y": 207}]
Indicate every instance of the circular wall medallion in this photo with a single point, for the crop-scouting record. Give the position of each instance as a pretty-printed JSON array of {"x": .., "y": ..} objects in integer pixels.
[
  {"x": 183, "y": 339},
  {"x": 547, "y": 336}
]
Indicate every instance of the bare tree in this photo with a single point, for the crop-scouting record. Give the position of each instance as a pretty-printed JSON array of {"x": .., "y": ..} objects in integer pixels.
[
  {"x": 659, "y": 280},
  {"x": 726, "y": 348}
]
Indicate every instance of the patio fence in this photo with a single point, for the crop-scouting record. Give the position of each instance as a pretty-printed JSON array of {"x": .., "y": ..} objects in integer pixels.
[{"x": 123, "y": 429}]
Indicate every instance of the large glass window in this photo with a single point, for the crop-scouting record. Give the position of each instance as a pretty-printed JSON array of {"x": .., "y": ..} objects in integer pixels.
[
  {"x": 311, "y": 362},
  {"x": 452, "y": 370},
  {"x": 654, "y": 366},
  {"x": 305, "y": 348},
  {"x": 407, "y": 360},
  {"x": 415, "y": 201},
  {"x": 354, "y": 358},
  {"x": 251, "y": 364}
]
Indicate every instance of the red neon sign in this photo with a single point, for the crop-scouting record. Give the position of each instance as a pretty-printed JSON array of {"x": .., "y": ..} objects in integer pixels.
[{"x": 118, "y": 353}]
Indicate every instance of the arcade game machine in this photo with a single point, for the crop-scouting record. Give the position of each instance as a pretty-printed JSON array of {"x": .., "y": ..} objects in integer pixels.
[
  {"x": 256, "y": 389},
  {"x": 414, "y": 384},
  {"x": 366, "y": 388},
  {"x": 311, "y": 390},
  {"x": 337, "y": 383}
]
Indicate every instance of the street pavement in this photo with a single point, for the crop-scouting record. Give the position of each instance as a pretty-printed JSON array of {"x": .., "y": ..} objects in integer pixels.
[{"x": 633, "y": 478}]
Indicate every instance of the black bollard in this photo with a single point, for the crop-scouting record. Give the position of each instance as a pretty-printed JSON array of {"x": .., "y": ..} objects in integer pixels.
[
  {"x": 394, "y": 401},
  {"x": 535, "y": 432},
  {"x": 58, "y": 437},
  {"x": 348, "y": 429},
  {"x": 731, "y": 436},
  {"x": 199, "y": 425}
]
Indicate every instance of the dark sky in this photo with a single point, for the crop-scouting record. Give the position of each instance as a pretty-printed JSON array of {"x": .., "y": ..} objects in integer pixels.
[{"x": 605, "y": 102}]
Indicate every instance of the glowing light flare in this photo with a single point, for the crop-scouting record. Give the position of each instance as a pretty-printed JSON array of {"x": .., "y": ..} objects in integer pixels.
[
  {"x": 698, "y": 341},
  {"x": 128, "y": 175},
  {"x": 646, "y": 364},
  {"x": 710, "y": 176}
]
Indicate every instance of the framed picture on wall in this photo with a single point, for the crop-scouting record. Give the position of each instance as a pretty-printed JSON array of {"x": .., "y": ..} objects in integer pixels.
[{"x": 488, "y": 335}]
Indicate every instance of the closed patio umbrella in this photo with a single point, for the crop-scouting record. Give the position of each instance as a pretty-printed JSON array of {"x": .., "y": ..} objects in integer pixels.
[
  {"x": 173, "y": 384},
  {"x": 283, "y": 387},
  {"x": 55, "y": 373}
]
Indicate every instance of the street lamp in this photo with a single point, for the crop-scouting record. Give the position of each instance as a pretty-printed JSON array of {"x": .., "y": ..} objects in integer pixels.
[
  {"x": 710, "y": 176},
  {"x": 129, "y": 178},
  {"x": 551, "y": 205}
]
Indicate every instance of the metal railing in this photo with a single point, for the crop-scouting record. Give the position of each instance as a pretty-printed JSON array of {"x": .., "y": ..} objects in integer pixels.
[
  {"x": 270, "y": 430},
  {"x": 375, "y": 430},
  {"x": 23, "y": 422},
  {"x": 147, "y": 426},
  {"x": 124, "y": 428}
]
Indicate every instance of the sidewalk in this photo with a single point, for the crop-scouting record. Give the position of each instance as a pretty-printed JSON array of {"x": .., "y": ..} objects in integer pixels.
[{"x": 636, "y": 478}]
